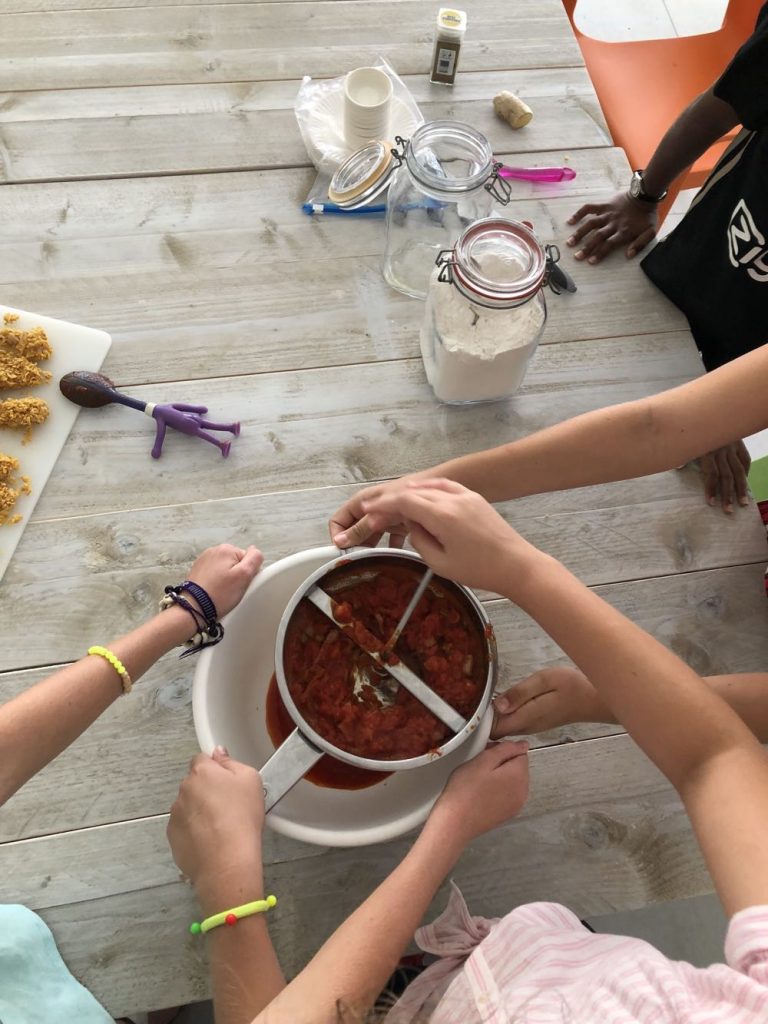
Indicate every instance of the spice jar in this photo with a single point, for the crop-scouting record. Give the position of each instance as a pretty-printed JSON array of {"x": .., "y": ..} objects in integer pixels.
[
  {"x": 485, "y": 312},
  {"x": 446, "y": 180},
  {"x": 451, "y": 26}
]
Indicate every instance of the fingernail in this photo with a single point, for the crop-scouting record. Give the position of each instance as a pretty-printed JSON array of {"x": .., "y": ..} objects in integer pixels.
[
  {"x": 571, "y": 241},
  {"x": 630, "y": 253},
  {"x": 219, "y": 751},
  {"x": 743, "y": 501},
  {"x": 711, "y": 501},
  {"x": 579, "y": 255},
  {"x": 593, "y": 260},
  {"x": 341, "y": 540},
  {"x": 502, "y": 705},
  {"x": 729, "y": 509}
]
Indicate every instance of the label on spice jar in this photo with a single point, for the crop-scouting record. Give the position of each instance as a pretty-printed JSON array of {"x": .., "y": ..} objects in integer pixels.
[{"x": 444, "y": 62}]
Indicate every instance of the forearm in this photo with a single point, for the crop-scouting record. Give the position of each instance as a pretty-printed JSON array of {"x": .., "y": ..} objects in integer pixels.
[
  {"x": 647, "y": 688},
  {"x": 700, "y": 124},
  {"x": 245, "y": 972},
  {"x": 745, "y": 692},
  {"x": 354, "y": 964},
  {"x": 38, "y": 724},
  {"x": 615, "y": 443},
  {"x": 620, "y": 442}
]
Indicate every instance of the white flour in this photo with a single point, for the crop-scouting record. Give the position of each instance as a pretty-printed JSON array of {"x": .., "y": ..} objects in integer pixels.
[{"x": 472, "y": 353}]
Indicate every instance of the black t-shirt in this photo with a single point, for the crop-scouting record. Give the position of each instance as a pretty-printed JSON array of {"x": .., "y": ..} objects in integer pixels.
[{"x": 714, "y": 265}]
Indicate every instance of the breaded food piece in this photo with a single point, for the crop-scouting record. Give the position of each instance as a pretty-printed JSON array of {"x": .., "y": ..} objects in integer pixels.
[
  {"x": 18, "y": 372},
  {"x": 8, "y": 496},
  {"x": 8, "y": 467},
  {"x": 32, "y": 344},
  {"x": 10, "y": 490},
  {"x": 23, "y": 414},
  {"x": 10, "y": 318}
]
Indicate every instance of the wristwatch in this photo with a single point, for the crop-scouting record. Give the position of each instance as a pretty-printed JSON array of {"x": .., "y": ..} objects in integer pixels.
[{"x": 637, "y": 191}]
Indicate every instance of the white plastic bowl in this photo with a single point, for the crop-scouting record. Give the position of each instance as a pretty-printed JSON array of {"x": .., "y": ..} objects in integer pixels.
[{"x": 228, "y": 703}]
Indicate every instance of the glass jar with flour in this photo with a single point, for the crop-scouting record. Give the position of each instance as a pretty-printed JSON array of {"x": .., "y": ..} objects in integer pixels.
[
  {"x": 485, "y": 312},
  {"x": 447, "y": 179}
]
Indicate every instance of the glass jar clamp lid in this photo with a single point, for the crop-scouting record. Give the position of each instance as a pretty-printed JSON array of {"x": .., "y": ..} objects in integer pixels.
[
  {"x": 499, "y": 263},
  {"x": 362, "y": 176}
]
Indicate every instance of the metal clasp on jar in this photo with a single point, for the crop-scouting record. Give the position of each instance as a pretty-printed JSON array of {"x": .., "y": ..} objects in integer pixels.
[
  {"x": 499, "y": 187},
  {"x": 559, "y": 280},
  {"x": 400, "y": 153},
  {"x": 445, "y": 259}
]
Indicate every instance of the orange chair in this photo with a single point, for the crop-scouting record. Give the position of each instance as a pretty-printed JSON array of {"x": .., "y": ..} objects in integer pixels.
[{"x": 643, "y": 86}]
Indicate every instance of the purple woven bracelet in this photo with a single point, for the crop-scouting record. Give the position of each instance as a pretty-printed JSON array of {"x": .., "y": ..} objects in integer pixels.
[{"x": 207, "y": 607}]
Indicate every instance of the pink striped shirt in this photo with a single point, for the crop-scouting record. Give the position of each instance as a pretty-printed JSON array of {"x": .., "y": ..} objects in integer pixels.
[{"x": 539, "y": 965}]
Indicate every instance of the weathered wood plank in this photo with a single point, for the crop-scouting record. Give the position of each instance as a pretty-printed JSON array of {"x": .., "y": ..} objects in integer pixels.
[
  {"x": 241, "y": 42},
  {"x": 130, "y": 762},
  {"x": 339, "y": 425},
  {"x": 47, "y": 6},
  {"x": 94, "y": 210},
  {"x": 600, "y": 807},
  {"x": 91, "y": 133}
]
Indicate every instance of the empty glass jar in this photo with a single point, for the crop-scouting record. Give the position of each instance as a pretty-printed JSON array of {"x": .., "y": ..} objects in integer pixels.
[{"x": 447, "y": 179}]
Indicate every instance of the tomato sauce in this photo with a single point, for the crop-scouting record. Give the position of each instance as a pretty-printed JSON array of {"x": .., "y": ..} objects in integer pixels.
[
  {"x": 329, "y": 771},
  {"x": 443, "y": 644}
]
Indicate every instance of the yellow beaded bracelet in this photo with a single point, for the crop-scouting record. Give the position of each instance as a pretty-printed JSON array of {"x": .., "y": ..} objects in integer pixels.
[
  {"x": 116, "y": 664},
  {"x": 231, "y": 917}
]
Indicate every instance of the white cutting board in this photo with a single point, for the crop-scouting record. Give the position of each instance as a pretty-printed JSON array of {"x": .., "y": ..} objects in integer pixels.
[{"x": 74, "y": 348}]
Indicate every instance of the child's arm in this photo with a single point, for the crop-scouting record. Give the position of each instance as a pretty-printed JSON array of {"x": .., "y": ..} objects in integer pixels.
[
  {"x": 215, "y": 835},
  {"x": 693, "y": 737},
  {"x": 342, "y": 981},
  {"x": 559, "y": 696},
  {"x": 215, "y": 832},
  {"x": 37, "y": 725},
  {"x": 615, "y": 443}
]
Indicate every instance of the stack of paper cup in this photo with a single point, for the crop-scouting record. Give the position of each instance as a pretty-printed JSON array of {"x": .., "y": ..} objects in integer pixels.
[{"x": 367, "y": 101}]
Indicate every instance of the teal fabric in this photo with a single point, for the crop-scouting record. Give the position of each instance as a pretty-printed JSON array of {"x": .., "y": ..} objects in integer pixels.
[{"x": 35, "y": 985}]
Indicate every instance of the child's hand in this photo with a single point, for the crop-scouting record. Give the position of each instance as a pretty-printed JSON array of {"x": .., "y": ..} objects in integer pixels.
[
  {"x": 349, "y": 526},
  {"x": 224, "y": 572},
  {"x": 545, "y": 700},
  {"x": 215, "y": 828},
  {"x": 483, "y": 793},
  {"x": 457, "y": 533}
]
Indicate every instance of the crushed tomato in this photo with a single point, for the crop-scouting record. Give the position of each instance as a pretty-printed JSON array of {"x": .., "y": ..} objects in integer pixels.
[{"x": 443, "y": 643}]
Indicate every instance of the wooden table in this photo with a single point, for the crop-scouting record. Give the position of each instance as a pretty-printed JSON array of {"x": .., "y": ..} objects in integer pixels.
[{"x": 153, "y": 180}]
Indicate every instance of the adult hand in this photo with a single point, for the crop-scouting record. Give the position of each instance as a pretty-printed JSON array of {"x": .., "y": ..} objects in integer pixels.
[
  {"x": 483, "y": 793},
  {"x": 216, "y": 823},
  {"x": 224, "y": 572},
  {"x": 457, "y": 533},
  {"x": 621, "y": 221},
  {"x": 349, "y": 526},
  {"x": 725, "y": 475},
  {"x": 546, "y": 700}
]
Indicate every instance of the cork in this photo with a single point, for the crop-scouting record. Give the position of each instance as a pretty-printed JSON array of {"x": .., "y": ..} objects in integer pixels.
[{"x": 512, "y": 109}]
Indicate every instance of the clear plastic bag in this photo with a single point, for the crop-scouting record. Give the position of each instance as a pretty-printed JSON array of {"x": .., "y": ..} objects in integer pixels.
[{"x": 319, "y": 109}]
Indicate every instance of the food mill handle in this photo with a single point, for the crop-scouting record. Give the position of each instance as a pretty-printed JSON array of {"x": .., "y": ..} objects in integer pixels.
[{"x": 287, "y": 766}]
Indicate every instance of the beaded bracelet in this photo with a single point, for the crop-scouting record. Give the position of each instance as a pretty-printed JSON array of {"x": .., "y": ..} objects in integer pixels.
[
  {"x": 231, "y": 917},
  {"x": 116, "y": 664}
]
